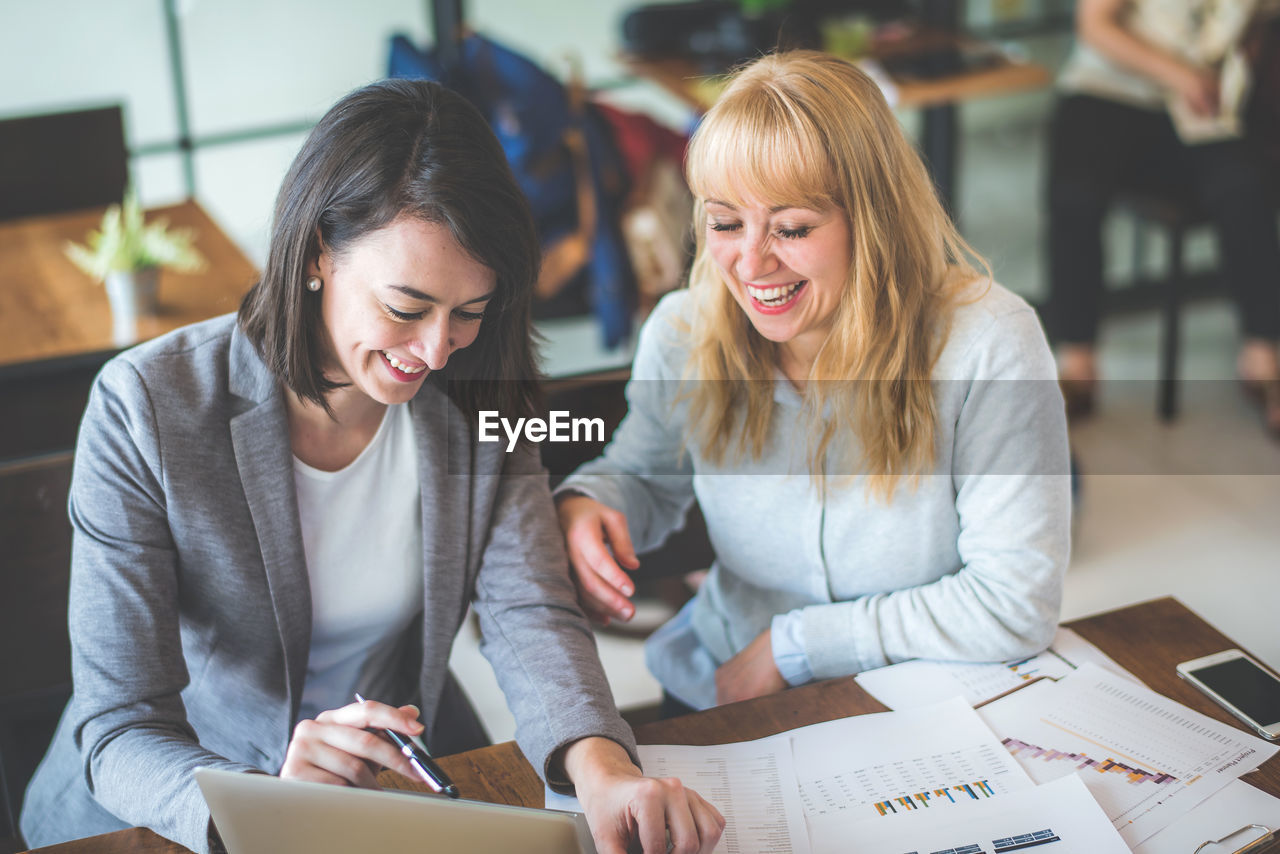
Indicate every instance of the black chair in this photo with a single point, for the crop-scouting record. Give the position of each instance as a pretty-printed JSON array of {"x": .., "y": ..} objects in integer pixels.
[
  {"x": 51, "y": 397},
  {"x": 1175, "y": 215},
  {"x": 62, "y": 162},
  {"x": 35, "y": 667}
]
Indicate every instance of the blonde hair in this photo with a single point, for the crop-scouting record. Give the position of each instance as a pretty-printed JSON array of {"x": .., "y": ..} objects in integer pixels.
[{"x": 806, "y": 129}]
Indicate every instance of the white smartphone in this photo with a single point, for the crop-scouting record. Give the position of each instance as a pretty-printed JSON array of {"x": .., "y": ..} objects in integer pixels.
[{"x": 1240, "y": 685}]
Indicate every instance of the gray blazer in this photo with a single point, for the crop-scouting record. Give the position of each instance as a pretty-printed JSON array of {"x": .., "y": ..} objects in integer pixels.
[{"x": 190, "y": 610}]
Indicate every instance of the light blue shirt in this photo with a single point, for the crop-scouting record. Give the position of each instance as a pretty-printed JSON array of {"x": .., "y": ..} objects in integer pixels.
[
  {"x": 965, "y": 565},
  {"x": 786, "y": 636}
]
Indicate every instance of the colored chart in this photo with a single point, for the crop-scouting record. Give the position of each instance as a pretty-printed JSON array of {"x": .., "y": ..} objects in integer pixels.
[
  {"x": 1083, "y": 762},
  {"x": 1145, "y": 758},
  {"x": 1004, "y": 845},
  {"x": 909, "y": 784},
  {"x": 1024, "y": 840},
  {"x": 960, "y": 849},
  {"x": 1059, "y": 817},
  {"x": 948, "y": 795},
  {"x": 873, "y": 766}
]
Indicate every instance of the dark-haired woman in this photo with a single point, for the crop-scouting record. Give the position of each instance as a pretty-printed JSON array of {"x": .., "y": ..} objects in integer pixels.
[{"x": 276, "y": 510}]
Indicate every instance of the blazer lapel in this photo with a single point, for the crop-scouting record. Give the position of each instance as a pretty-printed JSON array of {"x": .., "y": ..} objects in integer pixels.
[
  {"x": 260, "y": 437},
  {"x": 444, "y": 468}
]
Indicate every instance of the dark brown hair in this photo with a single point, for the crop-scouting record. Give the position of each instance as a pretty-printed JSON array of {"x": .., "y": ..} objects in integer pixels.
[{"x": 401, "y": 148}]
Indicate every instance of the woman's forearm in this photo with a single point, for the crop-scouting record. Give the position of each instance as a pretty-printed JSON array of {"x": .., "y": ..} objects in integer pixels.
[{"x": 1098, "y": 23}]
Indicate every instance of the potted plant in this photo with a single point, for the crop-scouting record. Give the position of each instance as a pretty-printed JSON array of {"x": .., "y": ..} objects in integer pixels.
[{"x": 126, "y": 254}]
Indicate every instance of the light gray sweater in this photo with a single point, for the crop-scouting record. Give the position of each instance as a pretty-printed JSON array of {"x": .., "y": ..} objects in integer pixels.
[
  {"x": 967, "y": 565},
  {"x": 190, "y": 603}
]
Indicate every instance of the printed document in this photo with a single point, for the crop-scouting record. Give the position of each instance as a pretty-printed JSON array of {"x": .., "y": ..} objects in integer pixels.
[
  {"x": 871, "y": 765},
  {"x": 861, "y": 768},
  {"x": 922, "y": 681},
  {"x": 1057, "y": 818},
  {"x": 1144, "y": 757},
  {"x": 1233, "y": 807},
  {"x": 753, "y": 785}
]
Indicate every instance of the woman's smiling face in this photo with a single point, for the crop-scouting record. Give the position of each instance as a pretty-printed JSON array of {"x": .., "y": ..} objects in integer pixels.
[
  {"x": 397, "y": 304},
  {"x": 785, "y": 266}
]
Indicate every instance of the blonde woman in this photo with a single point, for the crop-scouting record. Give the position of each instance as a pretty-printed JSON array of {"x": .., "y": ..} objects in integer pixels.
[{"x": 871, "y": 428}]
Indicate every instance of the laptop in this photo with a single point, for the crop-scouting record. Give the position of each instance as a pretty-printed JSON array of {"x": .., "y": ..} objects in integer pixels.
[{"x": 259, "y": 814}]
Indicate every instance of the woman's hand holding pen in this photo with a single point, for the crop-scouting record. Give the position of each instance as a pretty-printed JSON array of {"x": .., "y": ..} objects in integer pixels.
[
  {"x": 337, "y": 748},
  {"x": 598, "y": 541},
  {"x": 627, "y": 810}
]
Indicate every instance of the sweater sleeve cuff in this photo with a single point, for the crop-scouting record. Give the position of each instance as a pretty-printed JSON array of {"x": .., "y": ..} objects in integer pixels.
[
  {"x": 553, "y": 773},
  {"x": 786, "y": 635},
  {"x": 842, "y": 638}
]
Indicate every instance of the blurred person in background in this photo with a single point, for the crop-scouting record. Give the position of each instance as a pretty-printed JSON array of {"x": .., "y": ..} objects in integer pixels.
[{"x": 1152, "y": 98}]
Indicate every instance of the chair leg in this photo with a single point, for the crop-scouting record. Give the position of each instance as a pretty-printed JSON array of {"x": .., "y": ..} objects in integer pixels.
[
  {"x": 1139, "y": 248},
  {"x": 8, "y": 815},
  {"x": 1167, "y": 403}
]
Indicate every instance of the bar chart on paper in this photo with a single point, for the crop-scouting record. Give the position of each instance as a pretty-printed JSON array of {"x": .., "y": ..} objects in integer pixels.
[
  {"x": 918, "y": 782},
  {"x": 975, "y": 791},
  {"x": 875, "y": 766},
  {"x": 1132, "y": 774},
  {"x": 1144, "y": 757},
  {"x": 1060, "y": 817}
]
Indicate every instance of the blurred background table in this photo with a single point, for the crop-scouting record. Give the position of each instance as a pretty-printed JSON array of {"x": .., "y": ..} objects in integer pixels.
[
  {"x": 937, "y": 95},
  {"x": 49, "y": 309},
  {"x": 55, "y": 322}
]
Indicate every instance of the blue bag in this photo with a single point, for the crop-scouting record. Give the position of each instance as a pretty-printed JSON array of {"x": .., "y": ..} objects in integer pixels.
[{"x": 531, "y": 114}]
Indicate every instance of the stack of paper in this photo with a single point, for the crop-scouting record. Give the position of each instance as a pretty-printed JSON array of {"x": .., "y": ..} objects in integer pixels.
[
  {"x": 846, "y": 784},
  {"x": 1058, "y": 818},
  {"x": 1144, "y": 757},
  {"x": 920, "y": 682},
  {"x": 1116, "y": 763}
]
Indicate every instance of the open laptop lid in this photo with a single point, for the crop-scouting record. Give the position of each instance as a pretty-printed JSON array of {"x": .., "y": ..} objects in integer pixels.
[{"x": 259, "y": 814}]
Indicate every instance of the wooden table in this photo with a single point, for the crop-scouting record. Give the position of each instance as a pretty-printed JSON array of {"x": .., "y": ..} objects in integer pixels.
[
  {"x": 937, "y": 97},
  {"x": 50, "y": 310},
  {"x": 1147, "y": 639},
  {"x": 55, "y": 322},
  {"x": 682, "y": 78}
]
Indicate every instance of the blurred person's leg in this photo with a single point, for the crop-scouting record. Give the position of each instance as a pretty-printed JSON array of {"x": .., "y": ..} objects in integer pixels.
[
  {"x": 1095, "y": 147},
  {"x": 1234, "y": 186}
]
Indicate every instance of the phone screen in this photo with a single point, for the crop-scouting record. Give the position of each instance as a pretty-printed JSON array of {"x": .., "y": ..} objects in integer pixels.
[{"x": 1251, "y": 690}]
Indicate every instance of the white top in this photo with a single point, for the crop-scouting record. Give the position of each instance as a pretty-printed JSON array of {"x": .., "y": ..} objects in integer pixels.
[
  {"x": 1201, "y": 32},
  {"x": 362, "y": 537}
]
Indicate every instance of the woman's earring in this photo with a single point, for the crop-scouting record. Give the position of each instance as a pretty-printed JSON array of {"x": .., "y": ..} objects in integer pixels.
[{"x": 314, "y": 284}]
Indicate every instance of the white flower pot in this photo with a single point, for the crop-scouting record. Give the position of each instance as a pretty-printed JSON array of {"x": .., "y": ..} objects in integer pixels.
[{"x": 132, "y": 294}]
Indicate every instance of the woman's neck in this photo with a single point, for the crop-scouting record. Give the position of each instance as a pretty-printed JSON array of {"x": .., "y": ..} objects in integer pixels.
[
  {"x": 332, "y": 442},
  {"x": 796, "y": 359}
]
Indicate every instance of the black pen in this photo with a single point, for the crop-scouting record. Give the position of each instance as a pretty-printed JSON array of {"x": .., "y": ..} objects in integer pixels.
[{"x": 421, "y": 762}]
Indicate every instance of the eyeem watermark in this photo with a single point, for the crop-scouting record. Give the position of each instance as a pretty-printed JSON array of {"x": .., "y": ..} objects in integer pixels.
[{"x": 560, "y": 427}]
